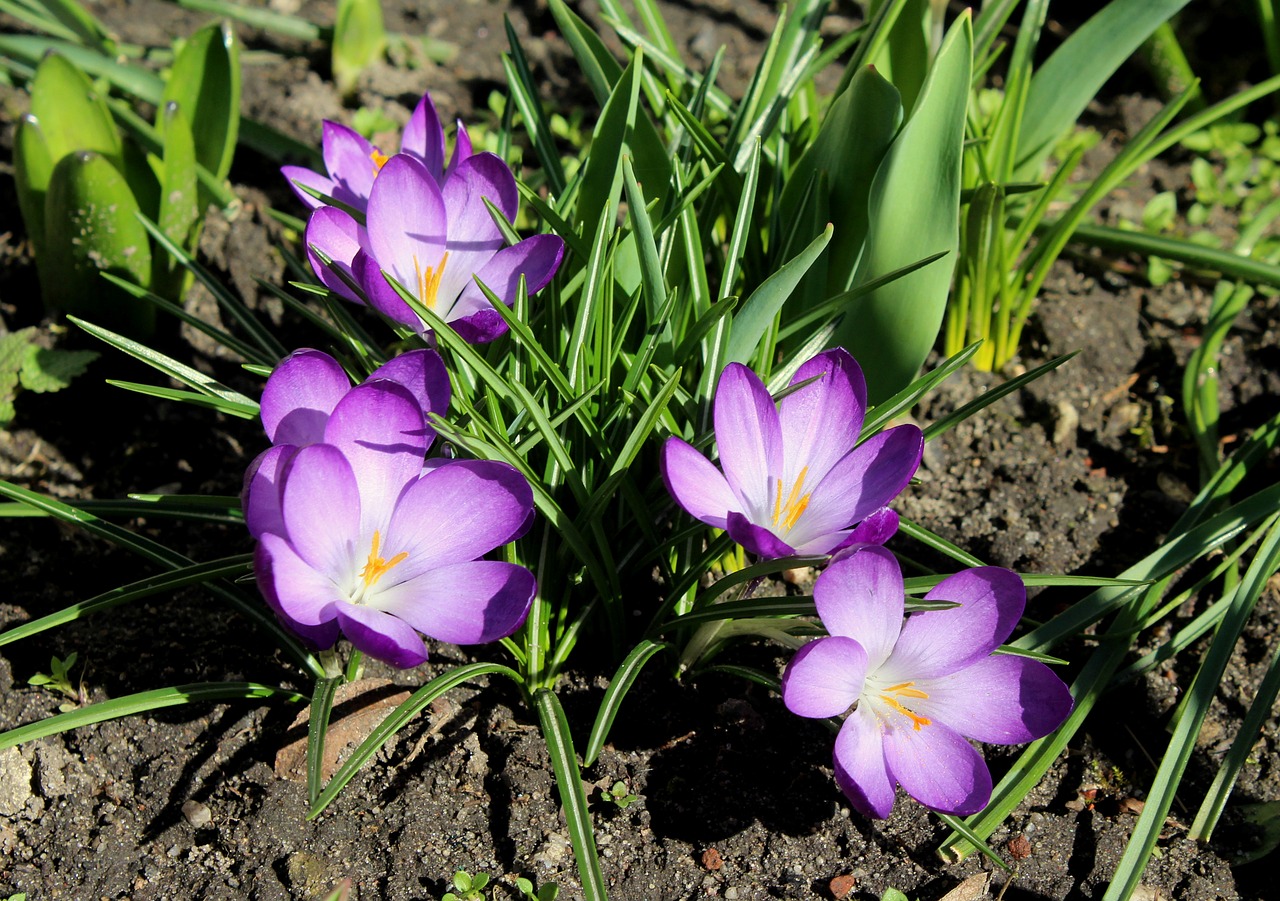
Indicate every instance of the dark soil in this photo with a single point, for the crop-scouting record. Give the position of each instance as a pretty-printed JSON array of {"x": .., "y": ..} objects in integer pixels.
[{"x": 1081, "y": 473}]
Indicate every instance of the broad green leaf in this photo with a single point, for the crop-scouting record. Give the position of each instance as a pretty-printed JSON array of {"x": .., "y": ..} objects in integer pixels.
[
  {"x": 205, "y": 83},
  {"x": 32, "y": 165},
  {"x": 46, "y": 369},
  {"x": 903, "y": 58},
  {"x": 602, "y": 174},
  {"x": 71, "y": 114},
  {"x": 854, "y": 137},
  {"x": 914, "y": 210},
  {"x": 90, "y": 228},
  {"x": 359, "y": 38},
  {"x": 178, "y": 211},
  {"x": 1072, "y": 76}
]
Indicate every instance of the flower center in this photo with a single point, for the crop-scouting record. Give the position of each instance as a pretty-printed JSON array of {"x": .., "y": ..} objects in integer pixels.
[
  {"x": 377, "y": 566},
  {"x": 429, "y": 280},
  {"x": 379, "y": 160},
  {"x": 787, "y": 513},
  {"x": 905, "y": 690}
]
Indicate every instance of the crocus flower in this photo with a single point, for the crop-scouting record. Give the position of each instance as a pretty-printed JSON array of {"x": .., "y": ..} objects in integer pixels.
[
  {"x": 793, "y": 480},
  {"x": 352, "y": 162},
  {"x": 915, "y": 691},
  {"x": 437, "y": 240},
  {"x": 300, "y": 397},
  {"x": 359, "y": 540}
]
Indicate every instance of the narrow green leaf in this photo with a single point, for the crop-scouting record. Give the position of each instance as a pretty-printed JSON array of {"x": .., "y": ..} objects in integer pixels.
[
  {"x": 555, "y": 732},
  {"x": 317, "y": 730},
  {"x": 625, "y": 676}
]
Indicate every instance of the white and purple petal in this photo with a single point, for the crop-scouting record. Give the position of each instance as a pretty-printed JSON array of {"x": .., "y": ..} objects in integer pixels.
[
  {"x": 939, "y": 642},
  {"x": 381, "y": 635},
  {"x": 825, "y": 677},
  {"x": 821, "y": 421},
  {"x": 697, "y": 486},
  {"x": 860, "y": 768},
  {"x": 465, "y": 603},
  {"x": 302, "y": 598},
  {"x": 423, "y": 137},
  {"x": 937, "y": 767},
  {"x": 536, "y": 258},
  {"x": 860, "y": 596},
  {"x": 352, "y": 164},
  {"x": 749, "y": 440},
  {"x": 424, "y": 374},
  {"x": 297, "y": 175},
  {"x": 300, "y": 395},
  {"x": 1001, "y": 700},
  {"x": 321, "y": 508},
  {"x": 332, "y": 232}
]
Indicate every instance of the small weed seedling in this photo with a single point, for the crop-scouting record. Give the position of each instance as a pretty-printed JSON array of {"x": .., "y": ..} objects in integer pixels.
[
  {"x": 619, "y": 795},
  {"x": 59, "y": 680},
  {"x": 548, "y": 892},
  {"x": 470, "y": 888}
]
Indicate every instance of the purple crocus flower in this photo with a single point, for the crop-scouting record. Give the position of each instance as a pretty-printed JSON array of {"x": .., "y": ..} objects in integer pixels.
[
  {"x": 794, "y": 482},
  {"x": 355, "y": 538},
  {"x": 353, "y": 163},
  {"x": 916, "y": 691}
]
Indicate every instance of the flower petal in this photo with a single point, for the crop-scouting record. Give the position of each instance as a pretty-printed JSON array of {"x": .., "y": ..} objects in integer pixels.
[
  {"x": 383, "y": 297},
  {"x": 695, "y": 484},
  {"x": 825, "y": 677},
  {"x": 866, "y": 479},
  {"x": 536, "y": 258},
  {"x": 335, "y": 234},
  {"x": 461, "y": 147},
  {"x": 877, "y": 528},
  {"x": 379, "y": 428},
  {"x": 458, "y": 512},
  {"x": 424, "y": 137},
  {"x": 466, "y": 603},
  {"x": 821, "y": 421},
  {"x": 756, "y": 539},
  {"x": 302, "y": 598},
  {"x": 381, "y": 635},
  {"x": 939, "y": 642},
  {"x": 748, "y": 439},
  {"x": 350, "y": 161},
  {"x": 260, "y": 496},
  {"x": 1002, "y": 700},
  {"x": 407, "y": 226},
  {"x": 861, "y": 771},
  {"x": 937, "y": 767},
  {"x": 860, "y": 596},
  {"x": 320, "y": 504},
  {"x": 423, "y": 373},
  {"x": 471, "y": 227},
  {"x": 311, "y": 179},
  {"x": 300, "y": 395}
]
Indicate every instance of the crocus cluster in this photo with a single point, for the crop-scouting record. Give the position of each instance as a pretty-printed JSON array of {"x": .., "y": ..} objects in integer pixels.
[
  {"x": 423, "y": 222},
  {"x": 916, "y": 691},
  {"x": 795, "y": 479},
  {"x": 359, "y": 534}
]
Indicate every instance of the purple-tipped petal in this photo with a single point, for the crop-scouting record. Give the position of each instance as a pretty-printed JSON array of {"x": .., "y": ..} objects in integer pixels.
[
  {"x": 1001, "y": 700},
  {"x": 306, "y": 593},
  {"x": 861, "y": 771},
  {"x": 536, "y": 258},
  {"x": 877, "y": 528},
  {"x": 749, "y": 439},
  {"x": 381, "y": 635},
  {"x": 471, "y": 227},
  {"x": 825, "y": 677},
  {"x": 820, "y": 422},
  {"x": 860, "y": 596},
  {"x": 458, "y": 512},
  {"x": 407, "y": 229},
  {"x": 296, "y": 175},
  {"x": 461, "y": 147},
  {"x": 424, "y": 374},
  {"x": 380, "y": 430},
  {"x": 260, "y": 497},
  {"x": 866, "y": 479},
  {"x": 937, "y": 767},
  {"x": 424, "y": 137},
  {"x": 480, "y": 328},
  {"x": 939, "y": 642},
  {"x": 383, "y": 297},
  {"x": 300, "y": 396},
  {"x": 335, "y": 234},
  {"x": 352, "y": 163},
  {"x": 695, "y": 484},
  {"x": 466, "y": 603},
  {"x": 756, "y": 539},
  {"x": 320, "y": 503}
]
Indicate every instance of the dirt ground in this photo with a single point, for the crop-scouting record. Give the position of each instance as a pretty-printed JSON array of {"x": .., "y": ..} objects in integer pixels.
[{"x": 1080, "y": 473}]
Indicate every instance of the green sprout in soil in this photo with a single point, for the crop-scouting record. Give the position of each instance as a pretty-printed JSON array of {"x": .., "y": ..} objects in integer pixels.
[
  {"x": 59, "y": 680},
  {"x": 469, "y": 888}
]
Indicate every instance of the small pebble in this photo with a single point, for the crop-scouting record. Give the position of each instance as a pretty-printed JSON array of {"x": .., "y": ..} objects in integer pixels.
[
  {"x": 197, "y": 814},
  {"x": 731, "y": 894}
]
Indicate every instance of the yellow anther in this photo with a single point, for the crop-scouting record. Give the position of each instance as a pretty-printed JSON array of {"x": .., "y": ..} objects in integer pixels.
[
  {"x": 376, "y": 567},
  {"x": 905, "y": 690},
  {"x": 429, "y": 280},
  {"x": 379, "y": 160},
  {"x": 796, "y": 503}
]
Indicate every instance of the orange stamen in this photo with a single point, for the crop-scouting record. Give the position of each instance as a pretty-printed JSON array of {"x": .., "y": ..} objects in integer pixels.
[
  {"x": 376, "y": 566},
  {"x": 429, "y": 280},
  {"x": 905, "y": 690},
  {"x": 796, "y": 503}
]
